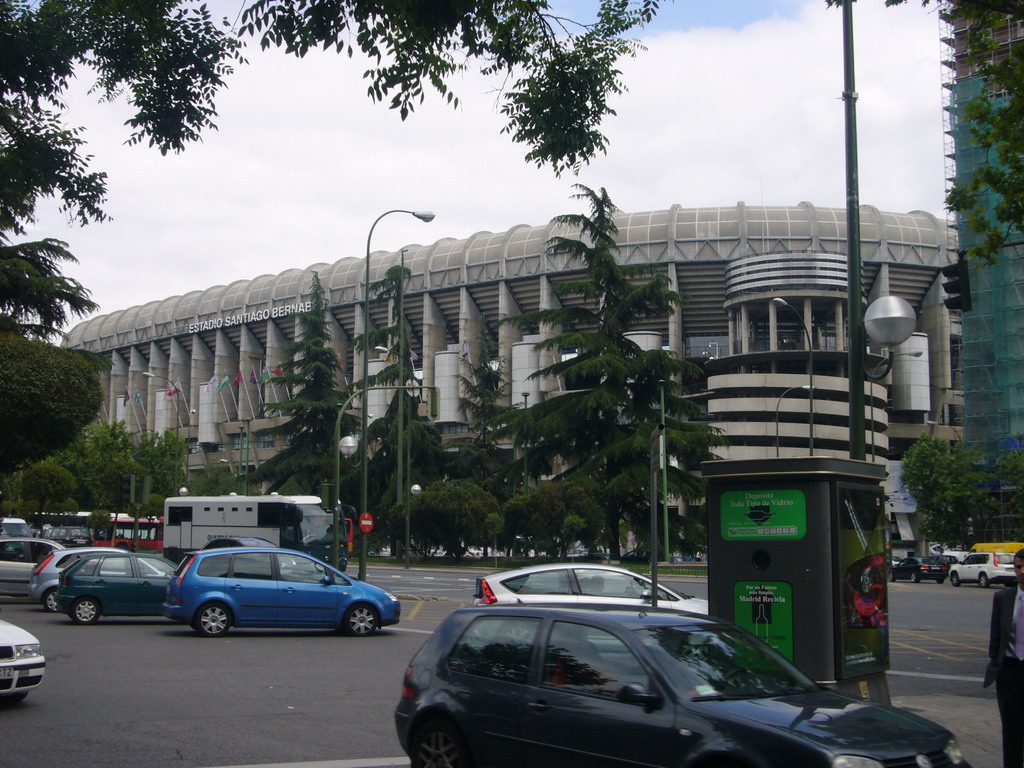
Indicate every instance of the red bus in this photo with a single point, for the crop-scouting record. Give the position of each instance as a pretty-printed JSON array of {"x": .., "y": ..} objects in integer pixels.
[{"x": 150, "y": 534}]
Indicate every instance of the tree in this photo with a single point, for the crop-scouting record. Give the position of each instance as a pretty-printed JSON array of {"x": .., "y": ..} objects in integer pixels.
[
  {"x": 948, "y": 485},
  {"x": 47, "y": 395},
  {"x": 601, "y": 425},
  {"x": 991, "y": 198},
  {"x": 97, "y": 458},
  {"x": 451, "y": 515},
  {"x": 1011, "y": 470},
  {"x": 48, "y": 484},
  {"x": 484, "y": 385},
  {"x": 554, "y": 516},
  {"x": 171, "y": 60},
  {"x": 36, "y": 301},
  {"x": 310, "y": 374}
]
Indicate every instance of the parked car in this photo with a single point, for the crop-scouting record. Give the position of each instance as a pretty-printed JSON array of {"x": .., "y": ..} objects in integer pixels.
[
  {"x": 984, "y": 568},
  {"x": 237, "y": 541},
  {"x": 70, "y": 535},
  {"x": 579, "y": 584},
  {"x": 217, "y": 589},
  {"x": 536, "y": 685},
  {"x": 22, "y": 664},
  {"x": 113, "y": 584},
  {"x": 918, "y": 568},
  {"x": 18, "y": 557},
  {"x": 45, "y": 577}
]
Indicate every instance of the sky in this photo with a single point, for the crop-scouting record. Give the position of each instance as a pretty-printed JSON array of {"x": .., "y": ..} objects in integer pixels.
[{"x": 730, "y": 100}]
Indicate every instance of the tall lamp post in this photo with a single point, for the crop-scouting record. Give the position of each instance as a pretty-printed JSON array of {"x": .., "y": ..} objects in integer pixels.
[
  {"x": 777, "y": 405},
  {"x": 780, "y": 302},
  {"x": 364, "y": 482},
  {"x": 415, "y": 491}
]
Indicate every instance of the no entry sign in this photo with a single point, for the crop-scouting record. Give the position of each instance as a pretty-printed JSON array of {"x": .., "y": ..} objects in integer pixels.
[{"x": 366, "y": 522}]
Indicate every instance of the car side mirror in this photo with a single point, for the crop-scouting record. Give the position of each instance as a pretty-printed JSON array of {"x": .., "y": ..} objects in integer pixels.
[
  {"x": 327, "y": 579},
  {"x": 634, "y": 693},
  {"x": 646, "y": 595}
]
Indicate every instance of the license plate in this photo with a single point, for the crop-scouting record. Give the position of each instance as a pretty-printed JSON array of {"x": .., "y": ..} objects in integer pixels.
[{"x": 6, "y": 673}]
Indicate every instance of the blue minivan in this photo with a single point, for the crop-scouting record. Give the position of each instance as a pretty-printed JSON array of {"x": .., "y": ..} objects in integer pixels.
[{"x": 214, "y": 590}]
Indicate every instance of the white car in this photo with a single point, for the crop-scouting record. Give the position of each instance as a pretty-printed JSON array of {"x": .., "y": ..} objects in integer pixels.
[
  {"x": 579, "y": 584},
  {"x": 18, "y": 558},
  {"x": 21, "y": 662},
  {"x": 985, "y": 568}
]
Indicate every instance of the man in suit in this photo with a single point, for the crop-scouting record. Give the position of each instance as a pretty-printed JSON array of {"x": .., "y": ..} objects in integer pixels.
[{"x": 1006, "y": 664}]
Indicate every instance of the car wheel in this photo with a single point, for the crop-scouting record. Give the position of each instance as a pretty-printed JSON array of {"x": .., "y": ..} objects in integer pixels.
[
  {"x": 892, "y": 576},
  {"x": 14, "y": 697},
  {"x": 915, "y": 577},
  {"x": 85, "y": 610},
  {"x": 360, "y": 620},
  {"x": 939, "y": 581},
  {"x": 438, "y": 744},
  {"x": 212, "y": 620},
  {"x": 983, "y": 580},
  {"x": 954, "y": 579},
  {"x": 49, "y": 600}
]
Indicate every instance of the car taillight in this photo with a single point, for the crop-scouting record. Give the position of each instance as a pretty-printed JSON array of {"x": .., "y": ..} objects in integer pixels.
[
  {"x": 408, "y": 689},
  {"x": 188, "y": 564},
  {"x": 42, "y": 565},
  {"x": 487, "y": 596}
]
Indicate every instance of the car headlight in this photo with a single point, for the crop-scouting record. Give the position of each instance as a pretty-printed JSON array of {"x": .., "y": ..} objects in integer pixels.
[
  {"x": 953, "y": 752},
  {"x": 27, "y": 651},
  {"x": 391, "y": 597},
  {"x": 854, "y": 761}
]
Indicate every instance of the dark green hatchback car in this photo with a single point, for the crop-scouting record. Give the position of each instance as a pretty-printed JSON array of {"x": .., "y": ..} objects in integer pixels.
[{"x": 114, "y": 584}]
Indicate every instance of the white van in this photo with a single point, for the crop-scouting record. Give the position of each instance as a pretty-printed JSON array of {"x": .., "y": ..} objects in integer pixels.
[{"x": 14, "y": 526}]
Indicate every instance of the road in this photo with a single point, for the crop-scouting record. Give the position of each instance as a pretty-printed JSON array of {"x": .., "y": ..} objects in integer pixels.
[{"x": 145, "y": 692}]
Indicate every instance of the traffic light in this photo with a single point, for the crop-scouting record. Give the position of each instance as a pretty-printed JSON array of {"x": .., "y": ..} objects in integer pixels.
[
  {"x": 127, "y": 489},
  {"x": 958, "y": 284}
]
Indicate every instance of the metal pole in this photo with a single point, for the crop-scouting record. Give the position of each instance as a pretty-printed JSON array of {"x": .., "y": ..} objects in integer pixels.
[
  {"x": 855, "y": 309},
  {"x": 664, "y": 482},
  {"x": 526, "y": 396},
  {"x": 401, "y": 358},
  {"x": 364, "y": 422},
  {"x": 246, "y": 423}
]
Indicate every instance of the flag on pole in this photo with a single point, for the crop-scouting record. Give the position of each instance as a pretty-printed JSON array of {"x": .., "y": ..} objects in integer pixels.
[
  {"x": 413, "y": 356},
  {"x": 465, "y": 347},
  {"x": 138, "y": 395},
  {"x": 279, "y": 371},
  {"x": 224, "y": 382},
  {"x": 212, "y": 383},
  {"x": 252, "y": 375},
  {"x": 264, "y": 376},
  {"x": 173, "y": 388},
  {"x": 127, "y": 396},
  {"x": 239, "y": 378}
]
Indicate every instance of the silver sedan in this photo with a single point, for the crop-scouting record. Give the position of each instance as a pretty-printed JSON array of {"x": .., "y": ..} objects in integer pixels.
[{"x": 579, "y": 584}]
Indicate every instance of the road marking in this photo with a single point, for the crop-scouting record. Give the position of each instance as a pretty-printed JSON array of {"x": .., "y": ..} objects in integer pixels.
[
  {"x": 369, "y": 762},
  {"x": 930, "y": 676}
]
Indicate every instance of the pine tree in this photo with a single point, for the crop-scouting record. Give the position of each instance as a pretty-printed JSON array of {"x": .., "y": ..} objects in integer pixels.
[
  {"x": 602, "y": 424},
  {"x": 311, "y": 376}
]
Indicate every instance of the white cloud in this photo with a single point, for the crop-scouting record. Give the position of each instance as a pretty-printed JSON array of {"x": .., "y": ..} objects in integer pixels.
[{"x": 304, "y": 162}]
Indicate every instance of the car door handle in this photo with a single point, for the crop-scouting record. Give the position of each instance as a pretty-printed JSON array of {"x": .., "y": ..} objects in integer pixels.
[
  {"x": 289, "y": 589},
  {"x": 540, "y": 706}
]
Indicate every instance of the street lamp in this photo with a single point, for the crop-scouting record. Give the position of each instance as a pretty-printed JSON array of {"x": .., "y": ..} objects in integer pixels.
[
  {"x": 426, "y": 216},
  {"x": 526, "y": 396},
  {"x": 779, "y": 403},
  {"x": 347, "y": 447},
  {"x": 780, "y": 302},
  {"x": 415, "y": 491}
]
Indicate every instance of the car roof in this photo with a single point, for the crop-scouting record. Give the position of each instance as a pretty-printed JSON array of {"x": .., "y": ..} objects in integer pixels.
[
  {"x": 626, "y": 617},
  {"x": 557, "y": 566},
  {"x": 56, "y": 544},
  {"x": 242, "y": 550}
]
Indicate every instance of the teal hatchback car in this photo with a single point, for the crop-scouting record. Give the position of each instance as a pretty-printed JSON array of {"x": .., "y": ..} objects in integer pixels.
[{"x": 114, "y": 584}]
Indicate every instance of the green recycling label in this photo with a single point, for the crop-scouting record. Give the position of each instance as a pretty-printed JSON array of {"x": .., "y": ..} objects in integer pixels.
[
  {"x": 765, "y": 609},
  {"x": 771, "y": 514}
]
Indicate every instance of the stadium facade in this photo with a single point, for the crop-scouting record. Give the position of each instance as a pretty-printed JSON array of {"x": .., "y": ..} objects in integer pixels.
[{"x": 221, "y": 346}]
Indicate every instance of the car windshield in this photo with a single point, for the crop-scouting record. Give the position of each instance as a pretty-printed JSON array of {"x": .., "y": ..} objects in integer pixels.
[
  {"x": 316, "y": 524},
  {"x": 719, "y": 662}
]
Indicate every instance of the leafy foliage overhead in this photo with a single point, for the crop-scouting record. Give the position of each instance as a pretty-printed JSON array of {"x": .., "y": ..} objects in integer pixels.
[{"x": 47, "y": 395}]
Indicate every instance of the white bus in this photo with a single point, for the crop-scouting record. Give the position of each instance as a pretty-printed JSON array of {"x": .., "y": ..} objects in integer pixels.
[{"x": 292, "y": 522}]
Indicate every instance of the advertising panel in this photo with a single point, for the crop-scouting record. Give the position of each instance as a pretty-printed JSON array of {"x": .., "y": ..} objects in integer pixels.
[
  {"x": 864, "y": 619},
  {"x": 765, "y": 609}
]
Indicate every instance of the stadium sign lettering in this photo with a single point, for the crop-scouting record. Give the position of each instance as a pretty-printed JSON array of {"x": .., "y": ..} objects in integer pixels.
[{"x": 226, "y": 321}]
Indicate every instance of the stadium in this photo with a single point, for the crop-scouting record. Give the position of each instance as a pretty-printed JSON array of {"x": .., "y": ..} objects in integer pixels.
[{"x": 762, "y": 283}]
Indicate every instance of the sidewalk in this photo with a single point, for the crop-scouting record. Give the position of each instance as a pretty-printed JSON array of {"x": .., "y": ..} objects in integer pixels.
[{"x": 973, "y": 720}]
